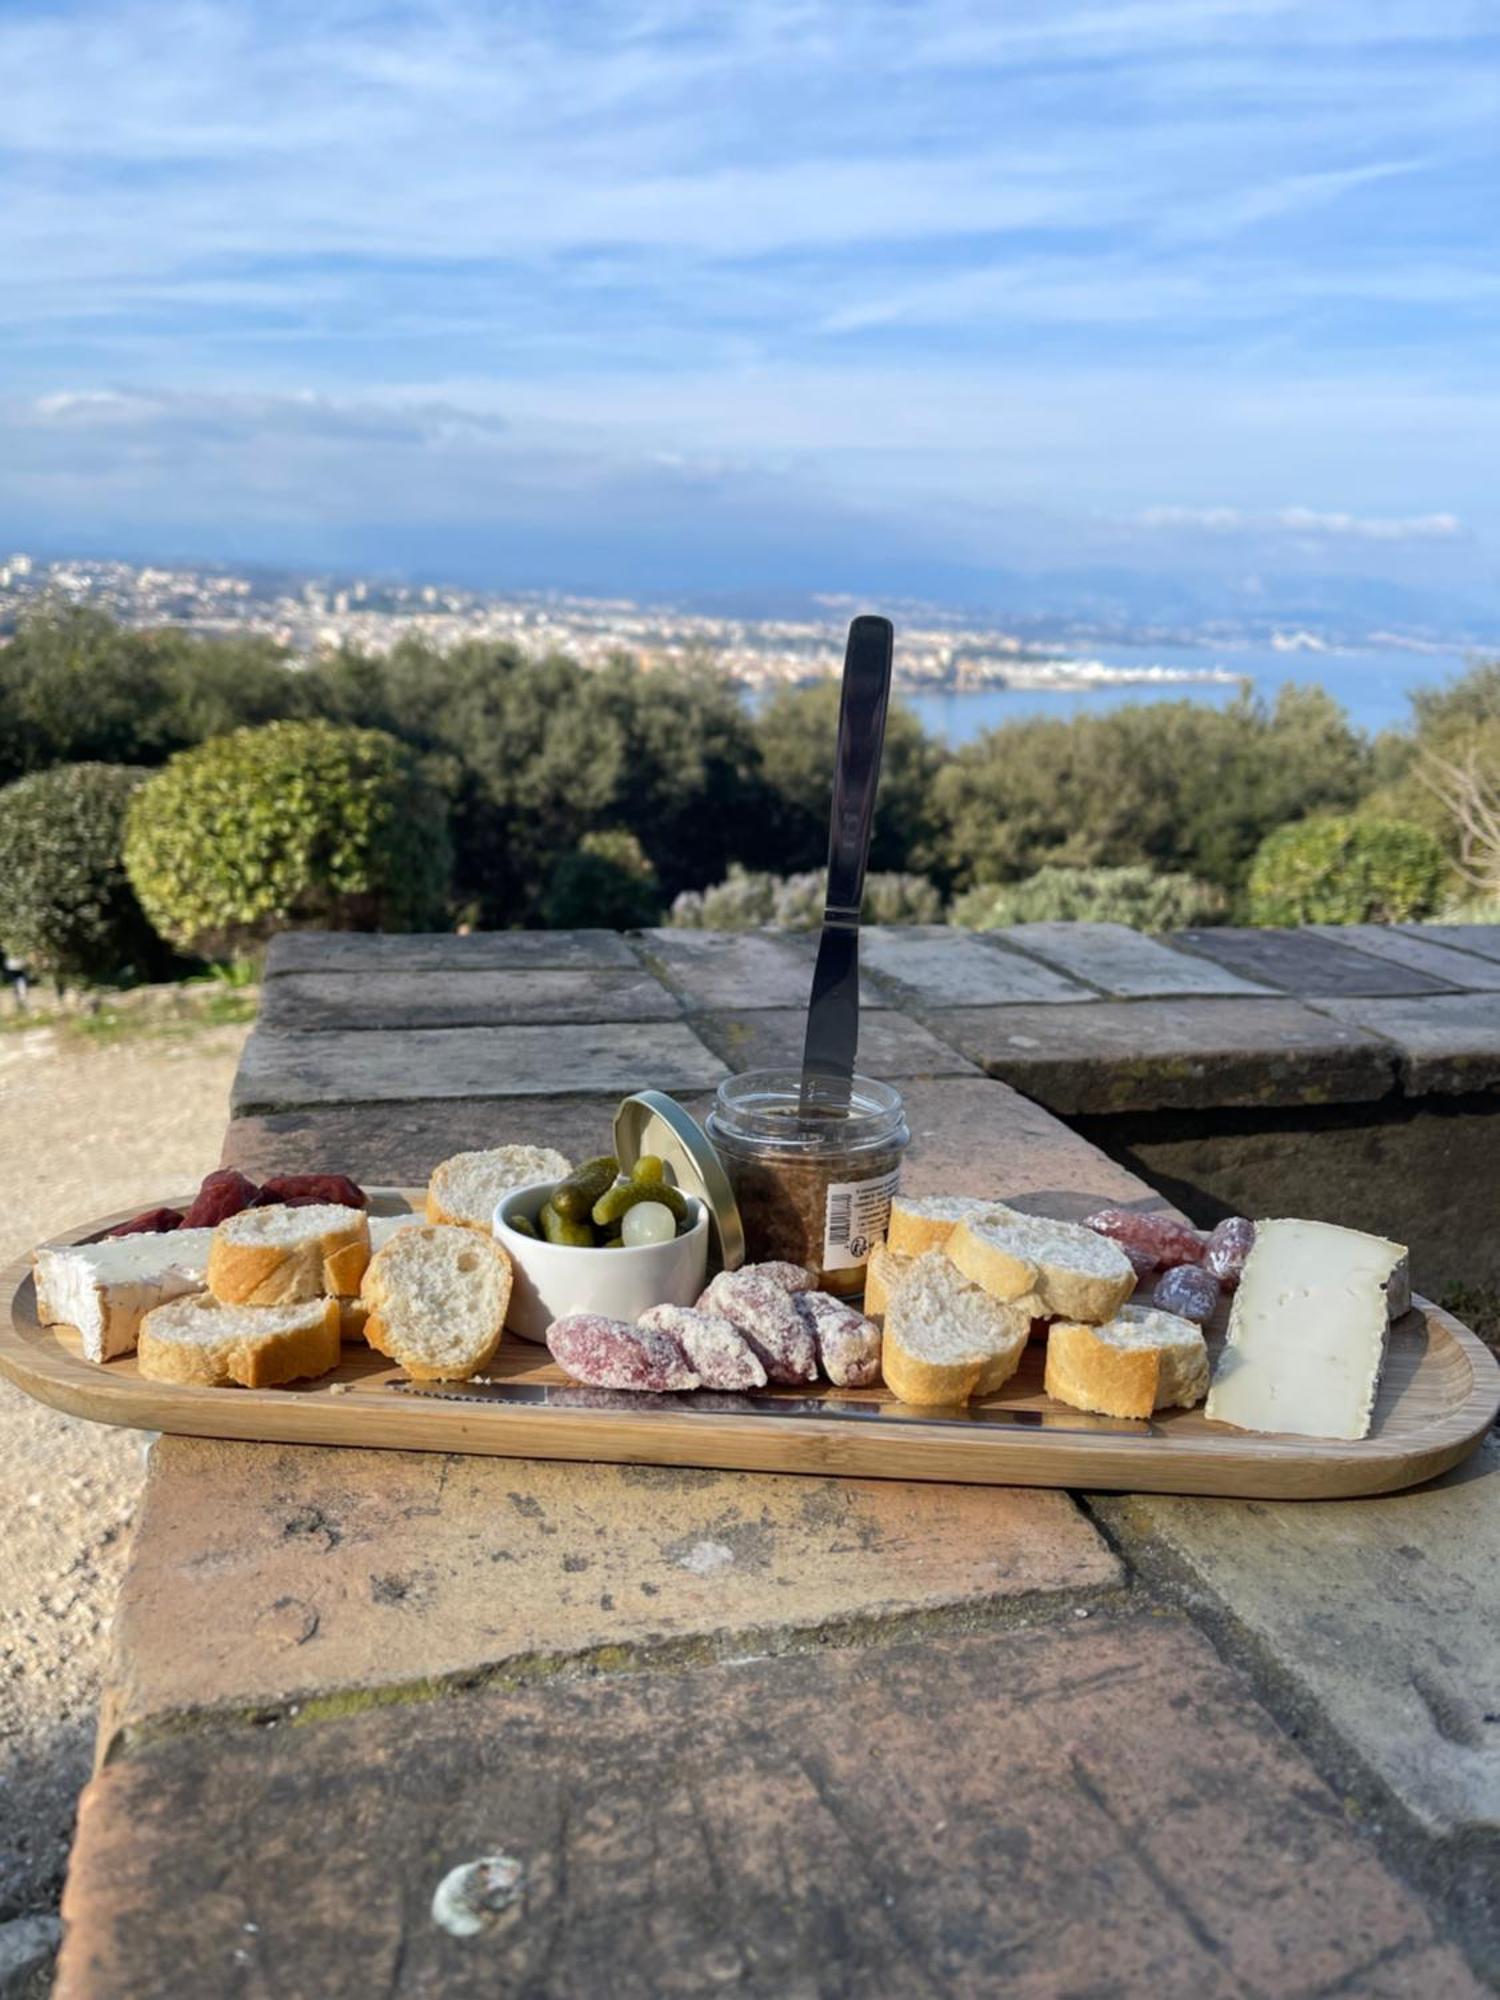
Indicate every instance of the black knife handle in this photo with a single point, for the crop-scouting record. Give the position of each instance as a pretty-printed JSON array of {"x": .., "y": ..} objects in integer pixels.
[{"x": 862, "y": 709}]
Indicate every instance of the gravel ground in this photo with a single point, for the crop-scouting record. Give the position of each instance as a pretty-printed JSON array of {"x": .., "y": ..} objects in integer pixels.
[{"x": 86, "y": 1130}]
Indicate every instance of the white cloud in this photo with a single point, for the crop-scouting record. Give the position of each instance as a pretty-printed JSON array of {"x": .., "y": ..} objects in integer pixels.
[
  {"x": 1307, "y": 521},
  {"x": 1055, "y": 256}
]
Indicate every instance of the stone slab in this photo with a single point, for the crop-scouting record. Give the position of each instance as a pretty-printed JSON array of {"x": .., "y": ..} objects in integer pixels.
[
  {"x": 28, "y": 1946},
  {"x": 942, "y": 967},
  {"x": 1423, "y": 954},
  {"x": 398, "y": 1145},
  {"x": 805, "y": 945},
  {"x": 279, "y": 1071},
  {"x": 1304, "y": 963},
  {"x": 1086, "y": 1809},
  {"x": 970, "y": 1135},
  {"x": 1123, "y": 962},
  {"x": 891, "y": 1044},
  {"x": 1121, "y": 1055},
  {"x": 1382, "y": 1611},
  {"x": 442, "y": 951},
  {"x": 976, "y": 1136},
  {"x": 1419, "y": 1169},
  {"x": 299, "y": 1001},
  {"x": 729, "y": 969},
  {"x": 1446, "y": 1043},
  {"x": 323, "y": 1570},
  {"x": 1482, "y": 940}
]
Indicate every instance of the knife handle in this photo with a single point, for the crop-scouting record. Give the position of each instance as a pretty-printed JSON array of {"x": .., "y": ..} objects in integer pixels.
[{"x": 862, "y": 708}]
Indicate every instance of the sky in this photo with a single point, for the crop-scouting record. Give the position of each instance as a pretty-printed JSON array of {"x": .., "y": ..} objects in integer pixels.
[{"x": 1167, "y": 303}]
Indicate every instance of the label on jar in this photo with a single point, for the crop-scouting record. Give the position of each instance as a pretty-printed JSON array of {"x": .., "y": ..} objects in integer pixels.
[{"x": 856, "y": 1219}]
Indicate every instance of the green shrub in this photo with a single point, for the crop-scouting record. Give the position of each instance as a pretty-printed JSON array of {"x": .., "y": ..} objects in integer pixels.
[
  {"x": 749, "y": 900},
  {"x": 1346, "y": 871},
  {"x": 606, "y": 884},
  {"x": 66, "y": 907},
  {"x": 1134, "y": 896},
  {"x": 298, "y": 823},
  {"x": 1175, "y": 786}
]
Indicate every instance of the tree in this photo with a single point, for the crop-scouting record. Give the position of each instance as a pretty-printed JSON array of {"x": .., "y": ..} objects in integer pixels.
[
  {"x": 539, "y": 753},
  {"x": 1457, "y": 728},
  {"x": 797, "y": 734},
  {"x": 76, "y": 688},
  {"x": 1179, "y": 786}
]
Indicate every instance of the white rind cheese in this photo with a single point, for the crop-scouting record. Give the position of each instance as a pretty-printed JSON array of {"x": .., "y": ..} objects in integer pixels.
[
  {"x": 384, "y": 1227},
  {"x": 105, "y": 1289},
  {"x": 1307, "y": 1332}
]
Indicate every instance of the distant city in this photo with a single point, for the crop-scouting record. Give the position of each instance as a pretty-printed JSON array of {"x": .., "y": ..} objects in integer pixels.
[{"x": 314, "y": 615}]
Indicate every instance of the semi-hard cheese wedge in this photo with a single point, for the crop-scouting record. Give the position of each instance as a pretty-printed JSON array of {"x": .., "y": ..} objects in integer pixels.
[{"x": 1307, "y": 1332}]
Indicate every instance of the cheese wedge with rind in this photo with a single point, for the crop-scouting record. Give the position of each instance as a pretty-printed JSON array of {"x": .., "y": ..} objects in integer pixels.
[
  {"x": 106, "y": 1289},
  {"x": 1307, "y": 1332}
]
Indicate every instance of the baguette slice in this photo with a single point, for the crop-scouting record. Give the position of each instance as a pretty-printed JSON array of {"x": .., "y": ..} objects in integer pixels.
[
  {"x": 106, "y": 1289},
  {"x": 436, "y": 1298},
  {"x": 353, "y": 1312},
  {"x": 198, "y": 1340},
  {"x": 1055, "y": 1269},
  {"x": 882, "y": 1273},
  {"x": 926, "y": 1221},
  {"x": 1137, "y": 1362},
  {"x": 946, "y": 1339},
  {"x": 465, "y": 1189},
  {"x": 281, "y": 1256}
]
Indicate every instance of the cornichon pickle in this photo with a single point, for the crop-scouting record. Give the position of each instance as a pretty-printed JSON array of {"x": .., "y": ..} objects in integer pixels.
[
  {"x": 557, "y": 1229},
  {"x": 575, "y": 1196},
  {"x": 612, "y": 1205},
  {"x": 648, "y": 1168},
  {"x": 523, "y": 1225}
]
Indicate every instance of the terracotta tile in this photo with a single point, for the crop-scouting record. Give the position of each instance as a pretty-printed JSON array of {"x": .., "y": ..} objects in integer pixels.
[
  {"x": 261, "y": 1573},
  {"x": 1088, "y": 1809}
]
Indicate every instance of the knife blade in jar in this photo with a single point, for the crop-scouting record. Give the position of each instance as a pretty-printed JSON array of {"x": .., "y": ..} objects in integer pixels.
[{"x": 833, "y": 1011}]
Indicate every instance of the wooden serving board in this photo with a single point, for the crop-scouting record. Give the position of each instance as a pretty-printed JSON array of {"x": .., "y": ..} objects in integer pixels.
[{"x": 1439, "y": 1394}]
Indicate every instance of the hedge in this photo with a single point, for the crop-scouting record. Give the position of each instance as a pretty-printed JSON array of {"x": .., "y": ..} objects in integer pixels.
[
  {"x": 66, "y": 907},
  {"x": 1346, "y": 871},
  {"x": 1135, "y": 896},
  {"x": 293, "y": 824}
]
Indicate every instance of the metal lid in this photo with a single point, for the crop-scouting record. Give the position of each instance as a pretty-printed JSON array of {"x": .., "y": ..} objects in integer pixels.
[{"x": 652, "y": 1122}]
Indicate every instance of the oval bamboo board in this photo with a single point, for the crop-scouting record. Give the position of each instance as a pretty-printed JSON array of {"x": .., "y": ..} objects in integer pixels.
[{"x": 1438, "y": 1396}]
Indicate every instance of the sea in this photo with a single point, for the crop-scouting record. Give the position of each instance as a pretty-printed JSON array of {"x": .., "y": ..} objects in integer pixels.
[{"x": 1373, "y": 686}]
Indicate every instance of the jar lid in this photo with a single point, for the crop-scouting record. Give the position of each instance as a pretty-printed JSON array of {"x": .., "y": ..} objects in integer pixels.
[{"x": 652, "y": 1122}]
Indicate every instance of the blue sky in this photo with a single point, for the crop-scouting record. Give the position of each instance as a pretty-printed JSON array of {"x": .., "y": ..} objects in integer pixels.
[{"x": 802, "y": 293}]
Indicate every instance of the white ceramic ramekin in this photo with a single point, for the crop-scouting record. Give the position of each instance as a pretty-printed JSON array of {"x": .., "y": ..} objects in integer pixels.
[{"x": 553, "y": 1279}]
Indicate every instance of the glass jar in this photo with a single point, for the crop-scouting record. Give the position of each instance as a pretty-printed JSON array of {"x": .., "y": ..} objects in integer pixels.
[{"x": 813, "y": 1179}]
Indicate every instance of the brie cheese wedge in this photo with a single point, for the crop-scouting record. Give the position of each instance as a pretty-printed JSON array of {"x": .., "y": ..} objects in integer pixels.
[{"x": 105, "y": 1289}]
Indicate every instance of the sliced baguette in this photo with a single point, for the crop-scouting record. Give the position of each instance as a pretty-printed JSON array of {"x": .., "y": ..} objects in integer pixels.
[
  {"x": 465, "y": 1189},
  {"x": 200, "y": 1341},
  {"x": 881, "y": 1274},
  {"x": 1137, "y": 1362},
  {"x": 946, "y": 1339},
  {"x": 926, "y": 1221},
  {"x": 280, "y": 1256},
  {"x": 436, "y": 1298},
  {"x": 353, "y": 1312},
  {"x": 106, "y": 1289},
  {"x": 1053, "y": 1269}
]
